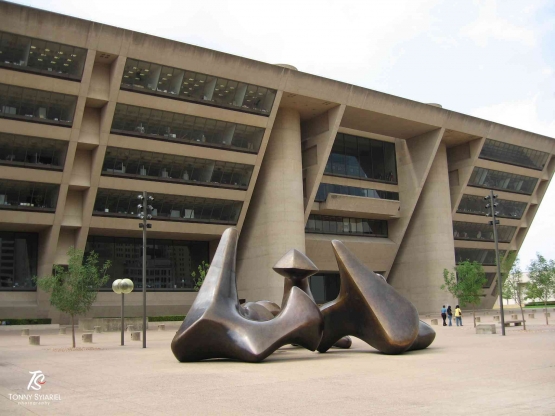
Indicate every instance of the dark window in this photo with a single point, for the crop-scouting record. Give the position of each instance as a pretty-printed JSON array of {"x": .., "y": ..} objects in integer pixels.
[
  {"x": 325, "y": 224},
  {"x": 490, "y": 277},
  {"x": 483, "y": 256},
  {"x": 327, "y": 188},
  {"x": 325, "y": 287},
  {"x": 18, "y": 260},
  {"x": 163, "y": 125},
  {"x": 36, "y": 106},
  {"x": 151, "y": 78},
  {"x": 513, "y": 155},
  {"x": 19, "y": 195},
  {"x": 172, "y": 168},
  {"x": 169, "y": 263},
  {"x": 116, "y": 203},
  {"x": 503, "y": 181},
  {"x": 48, "y": 58},
  {"x": 359, "y": 157},
  {"x": 476, "y": 205},
  {"x": 481, "y": 232},
  {"x": 33, "y": 152}
]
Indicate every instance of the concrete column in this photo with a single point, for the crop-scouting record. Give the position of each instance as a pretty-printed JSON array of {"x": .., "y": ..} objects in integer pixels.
[
  {"x": 428, "y": 245},
  {"x": 275, "y": 221}
]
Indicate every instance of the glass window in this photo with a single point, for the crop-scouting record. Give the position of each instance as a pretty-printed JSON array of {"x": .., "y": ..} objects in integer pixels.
[
  {"x": 503, "y": 181},
  {"x": 483, "y": 256},
  {"x": 325, "y": 287},
  {"x": 326, "y": 188},
  {"x": 164, "y": 125},
  {"x": 192, "y": 86},
  {"x": 36, "y": 106},
  {"x": 360, "y": 157},
  {"x": 513, "y": 155},
  {"x": 490, "y": 277},
  {"x": 35, "y": 55},
  {"x": 476, "y": 205},
  {"x": 474, "y": 231},
  {"x": 16, "y": 195},
  {"x": 169, "y": 263},
  {"x": 18, "y": 260},
  {"x": 117, "y": 203},
  {"x": 17, "y": 150},
  {"x": 344, "y": 225}
]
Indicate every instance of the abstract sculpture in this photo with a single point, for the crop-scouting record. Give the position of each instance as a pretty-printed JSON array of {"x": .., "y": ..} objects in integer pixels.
[{"x": 217, "y": 326}]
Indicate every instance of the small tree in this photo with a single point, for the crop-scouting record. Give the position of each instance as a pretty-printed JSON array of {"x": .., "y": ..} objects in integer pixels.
[
  {"x": 513, "y": 285},
  {"x": 506, "y": 266},
  {"x": 465, "y": 283},
  {"x": 542, "y": 280},
  {"x": 202, "y": 270},
  {"x": 73, "y": 289}
]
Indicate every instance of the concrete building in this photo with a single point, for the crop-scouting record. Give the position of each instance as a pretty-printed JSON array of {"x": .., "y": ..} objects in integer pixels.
[{"x": 91, "y": 115}]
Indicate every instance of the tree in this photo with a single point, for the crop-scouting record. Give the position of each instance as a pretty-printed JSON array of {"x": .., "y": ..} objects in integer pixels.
[
  {"x": 542, "y": 280},
  {"x": 73, "y": 289},
  {"x": 506, "y": 266},
  {"x": 202, "y": 270},
  {"x": 513, "y": 285},
  {"x": 465, "y": 283}
]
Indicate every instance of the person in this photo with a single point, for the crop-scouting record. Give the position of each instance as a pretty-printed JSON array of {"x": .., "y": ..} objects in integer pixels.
[
  {"x": 458, "y": 315},
  {"x": 449, "y": 314},
  {"x": 443, "y": 314}
]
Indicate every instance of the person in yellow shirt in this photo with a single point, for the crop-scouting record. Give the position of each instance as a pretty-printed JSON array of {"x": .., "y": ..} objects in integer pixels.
[{"x": 458, "y": 315}]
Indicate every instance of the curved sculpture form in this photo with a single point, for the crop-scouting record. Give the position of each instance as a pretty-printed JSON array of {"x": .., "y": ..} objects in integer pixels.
[
  {"x": 368, "y": 308},
  {"x": 218, "y": 327},
  {"x": 426, "y": 336}
]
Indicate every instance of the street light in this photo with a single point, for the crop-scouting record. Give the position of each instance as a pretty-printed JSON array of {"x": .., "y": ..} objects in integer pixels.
[
  {"x": 144, "y": 214},
  {"x": 495, "y": 222},
  {"x": 122, "y": 286}
]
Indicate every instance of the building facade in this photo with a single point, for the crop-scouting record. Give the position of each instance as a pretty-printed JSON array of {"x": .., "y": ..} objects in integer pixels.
[{"x": 91, "y": 115}]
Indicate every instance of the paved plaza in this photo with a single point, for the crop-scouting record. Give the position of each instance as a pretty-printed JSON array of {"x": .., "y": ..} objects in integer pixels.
[{"x": 460, "y": 374}]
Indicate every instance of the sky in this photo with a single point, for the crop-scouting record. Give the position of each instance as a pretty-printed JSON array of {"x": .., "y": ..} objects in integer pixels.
[{"x": 486, "y": 58}]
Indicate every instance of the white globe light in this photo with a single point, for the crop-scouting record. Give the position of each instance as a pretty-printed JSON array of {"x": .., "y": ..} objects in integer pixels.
[
  {"x": 116, "y": 286},
  {"x": 126, "y": 286}
]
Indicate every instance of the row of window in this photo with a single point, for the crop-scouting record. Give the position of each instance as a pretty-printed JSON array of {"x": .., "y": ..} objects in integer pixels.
[
  {"x": 36, "y": 55},
  {"x": 172, "y": 168},
  {"x": 483, "y": 256},
  {"x": 29, "y": 151},
  {"x": 325, "y": 224},
  {"x": 476, "y": 205},
  {"x": 181, "y": 84},
  {"x": 482, "y": 232},
  {"x": 18, "y": 260},
  {"x": 111, "y": 202},
  {"x": 327, "y": 188},
  {"x": 165, "y": 125},
  {"x": 28, "y": 195},
  {"x": 503, "y": 181},
  {"x": 364, "y": 158},
  {"x": 36, "y": 105},
  {"x": 513, "y": 155}
]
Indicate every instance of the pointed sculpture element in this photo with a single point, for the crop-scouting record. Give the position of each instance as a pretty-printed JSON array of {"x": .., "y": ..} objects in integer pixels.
[
  {"x": 367, "y": 308},
  {"x": 218, "y": 327}
]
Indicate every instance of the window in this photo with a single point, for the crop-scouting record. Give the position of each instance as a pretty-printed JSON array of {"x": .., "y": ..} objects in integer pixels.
[
  {"x": 513, "y": 155},
  {"x": 16, "y": 195},
  {"x": 327, "y": 188},
  {"x": 36, "y": 106},
  {"x": 503, "y": 181},
  {"x": 163, "y": 125},
  {"x": 476, "y": 205},
  {"x": 18, "y": 260},
  {"x": 481, "y": 232},
  {"x": 359, "y": 157},
  {"x": 483, "y": 256},
  {"x": 116, "y": 203},
  {"x": 324, "y": 224},
  {"x": 34, "y": 152},
  {"x": 325, "y": 287},
  {"x": 490, "y": 277},
  {"x": 47, "y": 58},
  {"x": 169, "y": 263},
  {"x": 205, "y": 89}
]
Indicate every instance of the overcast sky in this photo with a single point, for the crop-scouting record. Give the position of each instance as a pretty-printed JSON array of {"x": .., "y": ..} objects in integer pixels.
[{"x": 490, "y": 59}]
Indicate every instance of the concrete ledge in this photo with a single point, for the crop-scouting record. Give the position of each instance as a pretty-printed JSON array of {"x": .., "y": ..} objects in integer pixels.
[
  {"x": 109, "y": 324},
  {"x": 485, "y": 329},
  {"x": 32, "y": 327}
]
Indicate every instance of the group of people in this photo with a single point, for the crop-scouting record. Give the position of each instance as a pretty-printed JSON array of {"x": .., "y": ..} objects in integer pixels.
[{"x": 448, "y": 313}]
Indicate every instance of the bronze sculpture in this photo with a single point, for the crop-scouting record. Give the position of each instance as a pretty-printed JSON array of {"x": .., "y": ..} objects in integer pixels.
[{"x": 217, "y": 326}]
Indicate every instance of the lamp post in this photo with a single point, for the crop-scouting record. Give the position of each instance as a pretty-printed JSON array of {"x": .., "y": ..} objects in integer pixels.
[
  {"x": 494, "y": 222},
  {"x": 122, "y": 286},
  {"x": 144, "y": 215}
]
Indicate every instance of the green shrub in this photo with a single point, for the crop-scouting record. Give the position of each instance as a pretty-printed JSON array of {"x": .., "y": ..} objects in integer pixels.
[
  {"x": 166, "y": 318},
  {"x": 540, "y": 304},
  {"x": 26, "y": 321}
]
